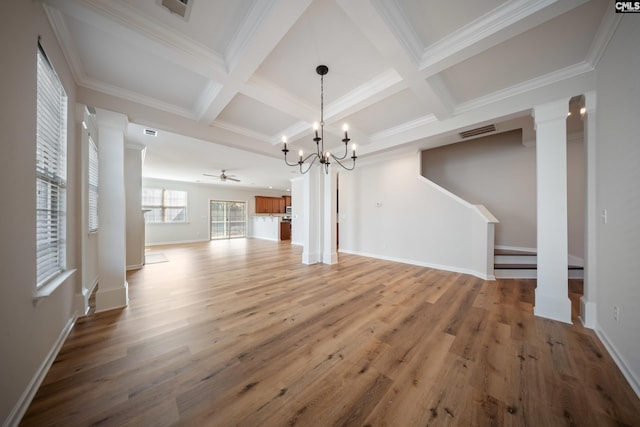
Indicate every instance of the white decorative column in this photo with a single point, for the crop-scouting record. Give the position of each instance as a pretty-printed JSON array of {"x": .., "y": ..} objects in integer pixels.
[
  {"x": 588, "y": 300},
  {"x": 330, "y": 190},
  {"x": 552, "y": 294},
  {"x": 312, "y": 213},
  {"x": 112, "y": 285}
]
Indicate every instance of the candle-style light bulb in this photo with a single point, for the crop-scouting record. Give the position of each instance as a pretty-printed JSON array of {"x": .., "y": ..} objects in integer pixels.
[
  {"x": 315, "y": 128},
  {"x": 284, "y": 141},
  {"x": 345, "y": 128},
  {"x": 300, "y": 152}
]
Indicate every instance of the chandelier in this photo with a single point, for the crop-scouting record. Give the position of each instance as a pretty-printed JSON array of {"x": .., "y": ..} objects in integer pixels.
[{"x": 324, "y": 157}]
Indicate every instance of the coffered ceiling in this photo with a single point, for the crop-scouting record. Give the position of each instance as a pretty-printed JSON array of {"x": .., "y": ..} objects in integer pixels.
[{"x": 223, "y": 85}]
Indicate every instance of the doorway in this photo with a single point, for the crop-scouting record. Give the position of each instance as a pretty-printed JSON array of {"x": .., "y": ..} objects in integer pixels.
[{"x": 228, "y": 219}]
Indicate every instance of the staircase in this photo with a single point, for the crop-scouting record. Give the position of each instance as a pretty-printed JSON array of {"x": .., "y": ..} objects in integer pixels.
[{"x": 512, "y": 264}]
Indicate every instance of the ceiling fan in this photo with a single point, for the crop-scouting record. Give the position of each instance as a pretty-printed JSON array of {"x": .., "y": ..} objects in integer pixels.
[{"x": 223, "y": 177}]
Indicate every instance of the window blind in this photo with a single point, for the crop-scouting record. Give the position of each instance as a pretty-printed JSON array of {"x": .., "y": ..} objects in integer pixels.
[
  {"x": 93, "y": 186},
  {"x": 51, "y": 169}
]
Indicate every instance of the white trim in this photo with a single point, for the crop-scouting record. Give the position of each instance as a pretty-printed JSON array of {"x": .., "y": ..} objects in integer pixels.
[
  {"x": 242, "y": 131},
  {"x": 53, "y": 284},
  {"x": 176, "y": 242},
  {"x": 421, "y": 264},
  {"x": 20, "y": 408},
  {"x": 397, "y": 21},
  {"x": 605, "y": 31},
  {"x": 588, "y": 313},
  {"x": 628, "y": 373},
  {"x": 524, "y": 87},
  {"x": 481, "y": 29},
  {"x": 245, "y": 32},
  {"x": 134, "y": 267},
  {"x": 404, "y": 127}
]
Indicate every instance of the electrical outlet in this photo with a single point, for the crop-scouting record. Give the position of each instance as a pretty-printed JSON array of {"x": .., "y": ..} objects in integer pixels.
[{"x": 616, "y": 313}]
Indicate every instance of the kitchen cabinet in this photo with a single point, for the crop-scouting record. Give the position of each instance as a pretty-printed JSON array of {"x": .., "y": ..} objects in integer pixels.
[
  {"x": 270, "y": 204},
  {"x": 287, "y": 200},
  {"x": 285, "y": 230}
]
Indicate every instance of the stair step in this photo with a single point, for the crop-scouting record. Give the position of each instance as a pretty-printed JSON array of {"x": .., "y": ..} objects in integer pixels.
[{"x": 510, "y": 266}]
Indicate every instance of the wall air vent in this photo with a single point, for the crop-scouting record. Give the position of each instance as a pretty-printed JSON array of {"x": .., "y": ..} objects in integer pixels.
[
  {"x": 150, "y": 132},
  {"x": 477, "y": 131},
  {"x": 179, "y": 7}
]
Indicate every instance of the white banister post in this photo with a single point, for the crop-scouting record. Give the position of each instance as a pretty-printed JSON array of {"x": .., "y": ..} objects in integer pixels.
[{"x": 552, "y": 294}]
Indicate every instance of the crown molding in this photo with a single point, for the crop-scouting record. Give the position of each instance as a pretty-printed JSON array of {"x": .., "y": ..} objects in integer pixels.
[
  {"x": 66, "y": 42},
  {"x": 130, "y": 17},
  {"x": 410, "y": 125},
  {"x": 246, "y": 30},
  {"x": 392, "y": 13},
  {"x": 605, "y": 31},
  {"x": 521, "y": 88},
  {"x": 206, "y": 98},
  {"x": 128, "y": 95},
  {"x": 241, "y": 131},
  {"x": 485, "y": 26},
  {"x": 293, "y": 132},
  {"x": 363, "y": 92}
]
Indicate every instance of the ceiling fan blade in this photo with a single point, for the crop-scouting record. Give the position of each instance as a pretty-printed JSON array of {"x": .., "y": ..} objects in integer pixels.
[
  {"x": 208, "y": 174},
  {"x": 232, "y": 179}
]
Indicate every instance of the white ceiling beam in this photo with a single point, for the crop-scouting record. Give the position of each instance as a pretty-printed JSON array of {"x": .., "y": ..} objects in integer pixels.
[
  {"x": 274, "y": 23},
  {"x": 369, "y": 20}
]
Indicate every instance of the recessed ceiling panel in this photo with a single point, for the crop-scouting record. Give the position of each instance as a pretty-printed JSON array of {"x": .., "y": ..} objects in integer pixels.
[
  {"x": 111, "y": 60},
  {"x": 433, "y": 20},
  {"x": 554, "y": 45},
  {"x": 390, "y": 112},
  {"x": 248, "y": 113},
  {"x": 212, "y": 23},
  {"x": 323, "y": 35}
]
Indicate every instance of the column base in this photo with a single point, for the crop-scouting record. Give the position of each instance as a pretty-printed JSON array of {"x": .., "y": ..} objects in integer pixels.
[
  {"x": 109, "y": 299},
  {"x": 588, "y": 313},
  {"x": 553, "y": 308},
  {"x": 330, "y": 258},
  {"x": 310, "y": 258}
]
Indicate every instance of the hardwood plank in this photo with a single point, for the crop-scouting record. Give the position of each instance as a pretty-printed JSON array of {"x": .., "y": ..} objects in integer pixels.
[{"x": 242, "y": 333}]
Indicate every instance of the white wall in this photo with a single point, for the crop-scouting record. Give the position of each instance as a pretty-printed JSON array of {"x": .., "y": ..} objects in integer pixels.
[
  {"x": 499, "y": 172},
  {"x": 388, "y": 210},
  {"x": 30, "y": 332},
  {"x": 618, "y": 191},
  {"x": 198, "y": 196}
]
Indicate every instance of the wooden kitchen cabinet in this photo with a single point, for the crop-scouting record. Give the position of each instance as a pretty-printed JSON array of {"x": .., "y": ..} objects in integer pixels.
[
  {"x": 285, "y": 230},
  {"x": 270, "y": 204}
]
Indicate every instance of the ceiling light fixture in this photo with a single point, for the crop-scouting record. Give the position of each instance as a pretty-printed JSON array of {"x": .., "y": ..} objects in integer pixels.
[{"x": 324, "y": 157}]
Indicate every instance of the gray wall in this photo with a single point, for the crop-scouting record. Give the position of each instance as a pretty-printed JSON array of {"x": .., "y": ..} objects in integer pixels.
[
  {"x": 29, "y": 331},
  {"x": 618, "y": 191},
  {"x": 499, "y": 172}
]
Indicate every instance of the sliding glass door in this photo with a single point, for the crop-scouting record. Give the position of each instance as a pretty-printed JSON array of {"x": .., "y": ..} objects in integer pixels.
[{"x": 228, "y": 219}]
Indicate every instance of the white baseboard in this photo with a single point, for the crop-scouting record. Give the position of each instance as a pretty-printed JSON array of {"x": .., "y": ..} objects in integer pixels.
[
  {"x": 23, "y": 403},
  {"x": 632, "y": 379},
  {"x": 134, "y": 267},
  {"x": 176, "y": 242},
  {"x": 422, "y": 264}
]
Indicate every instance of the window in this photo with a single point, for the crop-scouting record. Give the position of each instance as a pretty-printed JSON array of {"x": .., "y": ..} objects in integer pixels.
[
  {"x": 51, "y": 172},
  {"x": 167, "y": 206},
  {"x": 93, "y": 186}
]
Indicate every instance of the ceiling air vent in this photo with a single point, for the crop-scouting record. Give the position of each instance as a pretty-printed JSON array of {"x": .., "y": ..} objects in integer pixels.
[
  {"x": 179, "y": 7},
  {"x": 477, "y": 131},
  {"x": 151, "y": 132}
]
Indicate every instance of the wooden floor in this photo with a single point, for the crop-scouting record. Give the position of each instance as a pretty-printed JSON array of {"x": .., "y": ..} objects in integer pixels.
[{"x": 241, "y": 333}]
